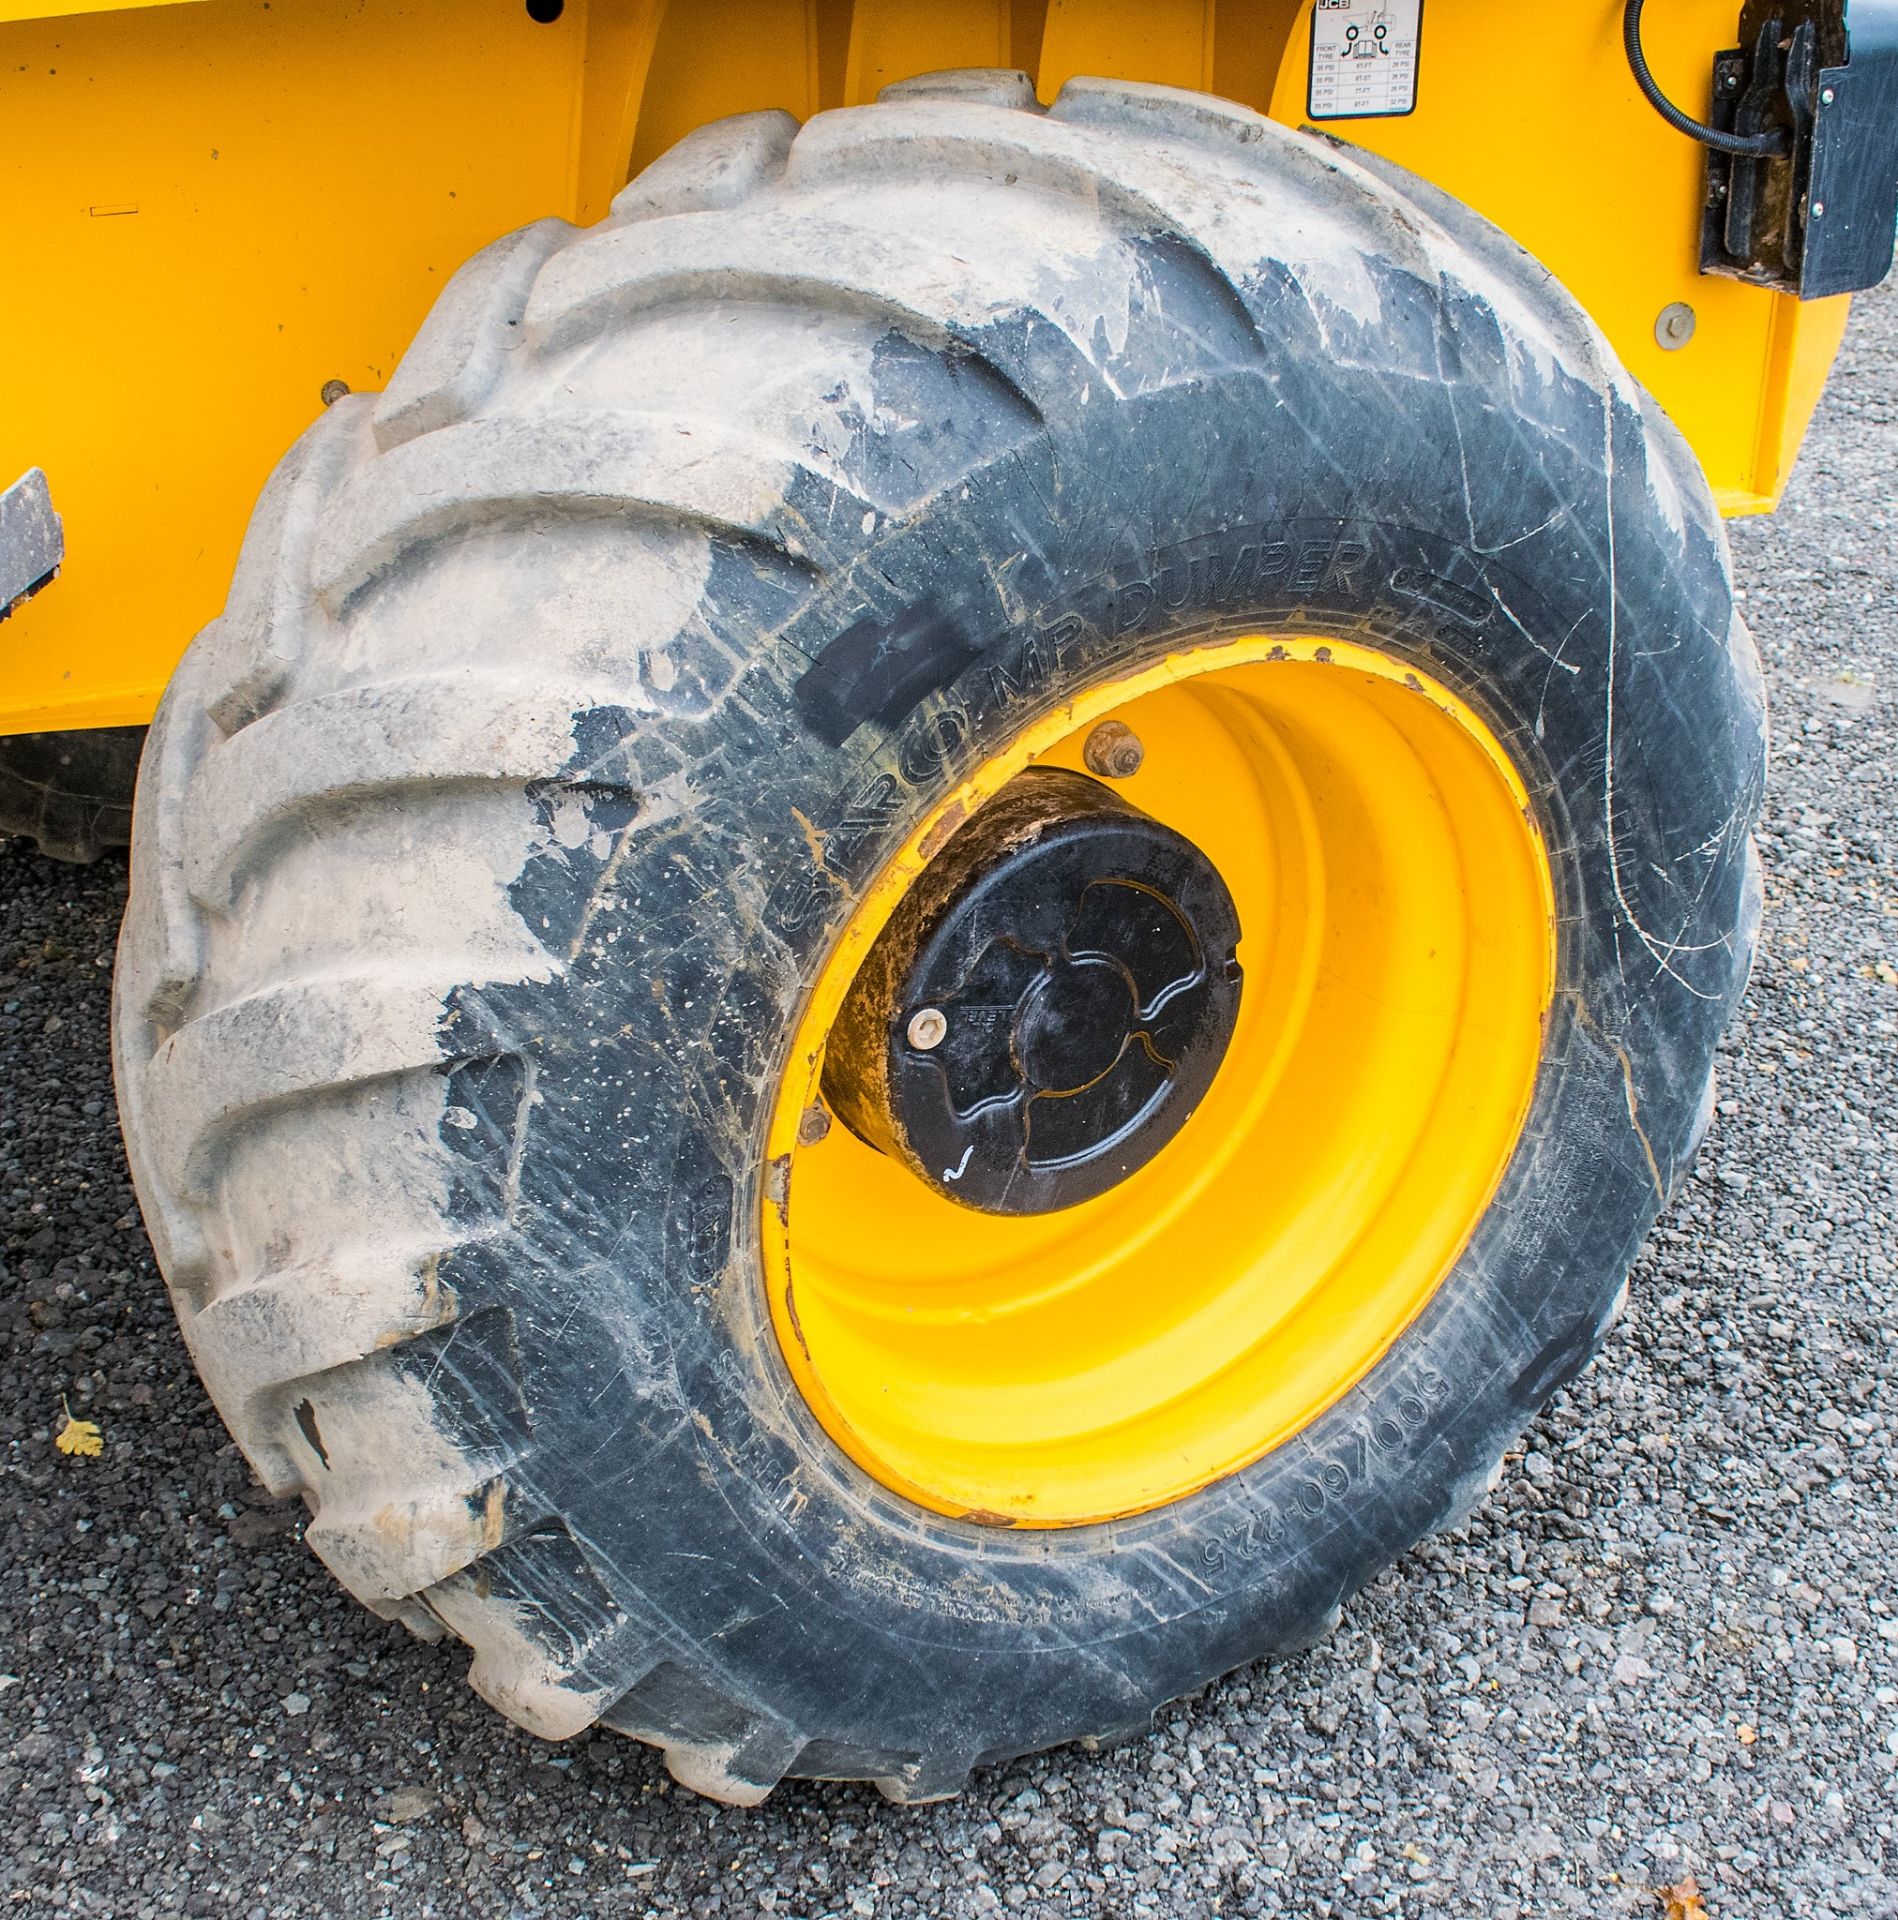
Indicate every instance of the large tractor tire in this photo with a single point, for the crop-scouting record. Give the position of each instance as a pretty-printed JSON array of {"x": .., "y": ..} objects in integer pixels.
[{"x": 920, "y": 947}]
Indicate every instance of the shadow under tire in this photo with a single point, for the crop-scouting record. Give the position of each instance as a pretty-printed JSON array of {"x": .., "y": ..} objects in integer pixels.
[{"x": 71, "y": 793}]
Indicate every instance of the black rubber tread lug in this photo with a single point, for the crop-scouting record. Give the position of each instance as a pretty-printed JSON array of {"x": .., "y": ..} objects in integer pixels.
[
  {"x": 467, "y": 477},
  {"x": 926, "y": 1780},
  {"x": 371, "y": 745},
  {"x": 277, "y": 1329},
  {"x": 333, "y": 1031},
  {"x": 454, "y": 362},
  {"x": 264, "y": 630},
  {"x": 540, "y": 1621},
  {"x": 711, "y": 1741},
  {"x": 1131, "y": 179},
  {"x": 722, "y": 164},
  {"x": 1542, "y": 294},
  {"x": 976, "y": 86},
  {"x": 817, "y": 264}
]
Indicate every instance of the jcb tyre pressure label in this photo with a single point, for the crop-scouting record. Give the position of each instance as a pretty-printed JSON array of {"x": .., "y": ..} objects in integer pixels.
[{"x": 1364, "y": 58}]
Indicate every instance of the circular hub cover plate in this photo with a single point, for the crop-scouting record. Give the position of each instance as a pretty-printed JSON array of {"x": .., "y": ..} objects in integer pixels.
[{"x": 1082, "y": 957}]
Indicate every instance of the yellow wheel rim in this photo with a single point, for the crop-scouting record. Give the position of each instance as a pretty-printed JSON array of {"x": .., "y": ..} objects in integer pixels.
[{"x": 1398, "y": 946}]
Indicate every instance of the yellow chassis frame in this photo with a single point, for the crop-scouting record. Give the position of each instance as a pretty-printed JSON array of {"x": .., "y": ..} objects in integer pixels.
[{"x": 213, "y": 208}]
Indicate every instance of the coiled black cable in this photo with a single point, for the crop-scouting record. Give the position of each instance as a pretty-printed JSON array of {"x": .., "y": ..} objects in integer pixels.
[{"x": 1750, "y": 146}]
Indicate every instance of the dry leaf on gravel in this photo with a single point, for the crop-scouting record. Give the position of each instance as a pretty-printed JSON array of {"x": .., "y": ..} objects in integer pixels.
[
  {"x": 78, "y": 1436},
  {"x": 405, "y": 1805},
  {"x": 1683, "y": 1902}
]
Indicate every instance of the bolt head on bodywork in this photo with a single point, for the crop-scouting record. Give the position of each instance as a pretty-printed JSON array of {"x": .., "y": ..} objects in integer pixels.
[
  {"x": 1675, "y": 326},
  {"x": 1076, "y": 966}
]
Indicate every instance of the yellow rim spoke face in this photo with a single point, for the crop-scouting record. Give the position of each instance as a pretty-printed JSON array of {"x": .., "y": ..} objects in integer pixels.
[{"x": 1398, "y": 953}]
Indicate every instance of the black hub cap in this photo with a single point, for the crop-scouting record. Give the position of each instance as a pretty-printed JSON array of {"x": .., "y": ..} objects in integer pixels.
[{"x": 1047, "y": 1006}]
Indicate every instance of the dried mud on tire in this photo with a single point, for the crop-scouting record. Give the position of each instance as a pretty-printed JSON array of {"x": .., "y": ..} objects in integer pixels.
[{"x": 569, "y": 692}]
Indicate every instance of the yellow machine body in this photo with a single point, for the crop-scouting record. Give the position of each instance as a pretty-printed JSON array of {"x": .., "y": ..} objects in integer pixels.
[{"x": 213, "y": 209}]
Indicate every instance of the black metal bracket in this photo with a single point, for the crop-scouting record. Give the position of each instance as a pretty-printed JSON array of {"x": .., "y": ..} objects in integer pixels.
[{"x": 1818, "y": 220}]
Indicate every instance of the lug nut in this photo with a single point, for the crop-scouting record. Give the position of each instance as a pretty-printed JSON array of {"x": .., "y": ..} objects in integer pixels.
[
  {"x": 926, "y": 1029},
  {"x": 1113, "y": 751}
]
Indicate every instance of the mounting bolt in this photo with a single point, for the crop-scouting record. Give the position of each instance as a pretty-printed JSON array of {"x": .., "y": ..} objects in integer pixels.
[
  {"x": 1675, "y": 327},
  {"x": 1113, "y": 751},
  {"x": 333, "y": 391},
  {"x": 1826, "y": 96},
  {"x": 1818, "y": 207},
  {"x": 926, "y": 1029}
]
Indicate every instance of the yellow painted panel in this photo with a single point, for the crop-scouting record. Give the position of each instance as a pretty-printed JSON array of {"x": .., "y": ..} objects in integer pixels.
[
  {"x": 892, "y": 39},
  {"x": 719, "y": 57},
  {"x": 1541, "y": 129},
  {"x": 1806, "y": 341},
  {"x": 620, "y": 36},
  {"x": 1167, "y": 41},
  {"x": 59, "y": 9},
  {"x": 1249, "y": 39},
  {"x": 210, "y": 211},
  {"x": 227, "y": 204}
]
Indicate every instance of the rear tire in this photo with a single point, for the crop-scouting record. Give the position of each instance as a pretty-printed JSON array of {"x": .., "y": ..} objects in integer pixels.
[
  {"x": 70, "y": 793},
  {"x": 569, "y": 695}
]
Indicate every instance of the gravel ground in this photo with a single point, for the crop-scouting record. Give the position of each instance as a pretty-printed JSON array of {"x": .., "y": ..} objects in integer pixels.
[{"x": 1666, "y": 1645}]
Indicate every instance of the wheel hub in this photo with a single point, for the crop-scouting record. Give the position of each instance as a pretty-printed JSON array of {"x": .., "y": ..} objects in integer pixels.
[
  {"x": 1046, "y": 1008},
  {"x": 1060, "y": 1368}
]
